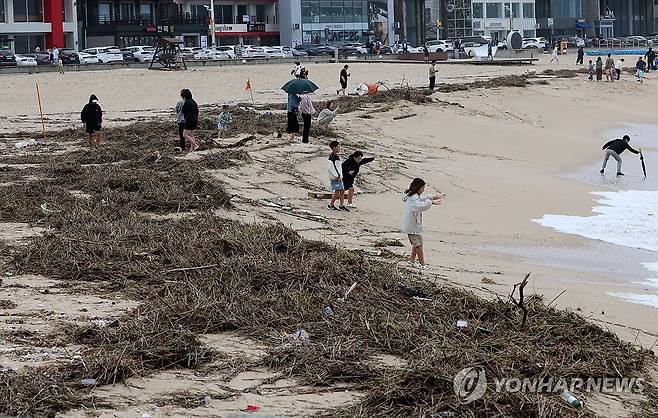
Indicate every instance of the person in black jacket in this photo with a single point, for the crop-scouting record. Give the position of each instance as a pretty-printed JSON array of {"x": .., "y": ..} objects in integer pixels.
[
  {"x": 92, "y": 117},
  {"x": 350, "y": 169},
  {"x": 614, "y": 148},
  {"x": 190, "y": 111}
]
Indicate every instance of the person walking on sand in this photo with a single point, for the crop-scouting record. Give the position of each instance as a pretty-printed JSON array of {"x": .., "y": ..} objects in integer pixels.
[
  {"x": 426, "y": 53},
  {"x": 180, "y": 119},
  {"x": 651, "y": 58},
  {"x": 55, "y": 56},
  {"x": 581, "y": 56},
  {"x": 610, "y": 69},
  {"x": 490, "y": 46},
  {"x": 92, "y": 117},
  {"x": 343, "y": 80},
  {"x": 619, "y": 66},
  {"x": 327, "y": 114},
  {"x": 224, "y": 120},
  {"x": 350, "y": 169},
  {"x": 335, "y": 177},
  {"x": 297, "y": 70},
  {"x": 614, "y": 148},
  {"x": 412, "y": 220},
  {"x": 590, "y": 69},
  {"x": 307, "y": 110},
  {"x": 292, "y": 128},
  {"x": 640, "y": 66},
  {"x": 190, "y": 111},
  {"x": 599, "y": 69},
  {"x": 554, "y": 56},
  {"x": 432, "y": 75}
]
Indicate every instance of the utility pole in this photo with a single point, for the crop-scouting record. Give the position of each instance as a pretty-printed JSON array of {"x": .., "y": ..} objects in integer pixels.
[{"x": 212, "y": 23}]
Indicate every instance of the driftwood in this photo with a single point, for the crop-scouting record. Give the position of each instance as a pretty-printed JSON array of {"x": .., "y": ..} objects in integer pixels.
[
  {"x": 410, "y": 115},
  {"x": 519, "y": 302},
  {"x": 320, "y": 195},
  {"x": 238, "y": 144}
]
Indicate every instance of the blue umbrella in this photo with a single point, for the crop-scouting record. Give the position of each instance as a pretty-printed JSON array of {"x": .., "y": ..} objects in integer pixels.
[{"x": 299, "y": 85}]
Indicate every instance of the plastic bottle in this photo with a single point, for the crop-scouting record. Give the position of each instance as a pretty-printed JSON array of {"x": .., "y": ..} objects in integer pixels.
[{"x": 571, "y": 399}]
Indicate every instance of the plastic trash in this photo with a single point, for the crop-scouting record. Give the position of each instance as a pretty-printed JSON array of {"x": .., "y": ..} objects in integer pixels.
[
  {"x": 27, "y": 143},
  {"x": 88, "y": 382},
  {"x": 328, "y": 310},
  {"x": 299, "y": 337},
  {"x": 375, "y": 252},
  {"x": 571, "y": 399},
  {"x": 414, "y": 292},
  {"x": 253, "y": 408},
  {"x": 206, "y": 401},
  {"x": 462, "y": 323},
  {"x": 485, "y": 330},
  {"x": 46, "y": 210}
]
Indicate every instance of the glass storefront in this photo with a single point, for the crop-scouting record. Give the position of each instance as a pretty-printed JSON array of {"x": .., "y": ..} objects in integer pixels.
[
  {"x": 339, "y": 21},
  {"x": 28, "y": 43}
]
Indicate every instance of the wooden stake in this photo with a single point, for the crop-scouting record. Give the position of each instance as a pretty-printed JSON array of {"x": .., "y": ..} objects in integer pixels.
[{"x": 43, "y": 124}]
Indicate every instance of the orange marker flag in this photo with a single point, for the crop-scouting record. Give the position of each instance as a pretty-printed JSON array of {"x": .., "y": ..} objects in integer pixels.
[{"x": 248, "y": 86}]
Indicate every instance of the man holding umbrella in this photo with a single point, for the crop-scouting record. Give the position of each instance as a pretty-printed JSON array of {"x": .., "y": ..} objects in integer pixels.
[
  {"x": 614, "y": 148},
  {"x": 294, "y": 88}
]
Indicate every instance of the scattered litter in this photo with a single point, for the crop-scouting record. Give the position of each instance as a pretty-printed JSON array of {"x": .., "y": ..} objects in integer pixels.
[
  {"x": 414, "y": 292},
  {"x": 276, "y": 135},
  {"x": 374, "y": 252},
  {"x": 146, "y": 415},
  {"x": 328, "y": 310},
  {"x": 46, "y": 210},
  {"x": 487, "y": 280},
  {"x": 571, "y": 399},
  {"x": 206, "y": 401},
  {"x": 27, "y": 143},
  {"x": 7, "y": 350},
  {"x": 389, "y": 242},
  {"x": 484, "y": 330},
  {"x": 444, "y": 414},
  {"x": 253, "y": 408},
  {"x": 88, "y": 382},
  {"x": 462, "y": 323},
  {"x": 299, "y": 337},
  {"x": 347, "y": 293},
  {"x": 8, "y": 274}
]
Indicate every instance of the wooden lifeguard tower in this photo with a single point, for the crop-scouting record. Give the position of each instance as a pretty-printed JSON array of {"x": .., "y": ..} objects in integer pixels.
[{"x": 168, "y": 54}]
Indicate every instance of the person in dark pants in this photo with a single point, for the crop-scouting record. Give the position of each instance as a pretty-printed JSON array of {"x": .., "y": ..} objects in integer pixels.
[
  {"x": 190, "y": 111},
  {"x": 180, "y": 119},
  {"x": 426, "y": 51},
  {"x": 581, "y": 56},
  {"x": 651, "y": 59},
  {"x": 614, "y": 148},
  {"x": 92, "y": 117},
  {"x": 350, "y": 168},
  {"x": 432, "y": 75},
  {"x": 307, "y": 110},
  {"x": 292, "y": 127}
]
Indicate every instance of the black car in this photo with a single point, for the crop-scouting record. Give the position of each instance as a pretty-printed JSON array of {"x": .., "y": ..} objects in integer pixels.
[
  {"x": 128, "y": 55},
  {"x": 7, "y": 57},
  {"x": 320, "y": 50},
  {"x": 42, "y": 58},
  {"x": 69, "y": 56}
]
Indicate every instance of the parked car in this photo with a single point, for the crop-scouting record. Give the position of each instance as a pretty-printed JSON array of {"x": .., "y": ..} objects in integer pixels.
[
  {"x": 254, "y": 52},
  {"x": 25, "y": 61},
  {"x": 285, "y": 51},
  {"x": 105, "y": 55},
  {"x": 69, "y": 56},
  {"x": 528, "y": 43},
  {"x": 439, "y": 45},
  {"x": 354, "y": 48},
  {"x": 297, "y": 53},
  {"x": 42, "y": 58},
  {"x": 228, "y": 50},
  {"x": 215, "y": 55},
  {"x": 274, "y": 52},
  {"x": 7, "y": 57},
  {"x": 127, "y": 55},
  {"x": 320, "y": 50},
  {"x": 139, "y": 53}
]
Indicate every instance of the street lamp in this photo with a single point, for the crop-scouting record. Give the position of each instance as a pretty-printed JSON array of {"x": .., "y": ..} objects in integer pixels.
[
  {"x": 511, "y": 15},
  {"x": 212, "y": 22}
]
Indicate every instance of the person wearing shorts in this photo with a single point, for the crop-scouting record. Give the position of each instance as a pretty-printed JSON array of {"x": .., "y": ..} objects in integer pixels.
[
  {"x": 412, "y": 220},
  {"x": 190, "y": 112},
  {"x": 343, "y": 80},
  {"x": 92, "y": 117},
  {"x": 335, "y": 177},
  {"x": 292, "y": 126}
]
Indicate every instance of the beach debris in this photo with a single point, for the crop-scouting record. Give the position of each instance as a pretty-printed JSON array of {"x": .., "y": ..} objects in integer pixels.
[
  {"x": 374, "y": 253},
  {"x": 46, "y": 210},
  {"x": 484, "y": 330},
  {"x": 155, "y": 157},
  {"x": 410, "y": 115},
  {"x": 444, "y": 414},
  {"x": 521, "y": 285},
  {"x": 27, "y": 143},
  {"x": 88, "y": 382},
  {"x": 389, "y": 242},
  {"x": 488, "y": 280},
  {"x": 462, "y": 323},
  {"x": 299, "y": 337},
  {"x": 239, "y": 143},
  {"x": 347, "y": 293},
  {"x": 206, "y": 401},
  {"x": 414, "y": 292},
  {"x": 320, "y": 195},
  {"x": 571, "y": 399},
  {"x": 252, "y": 408},
  {"x": 328, "y": 310},
  {"x": 277, "y": 135}
]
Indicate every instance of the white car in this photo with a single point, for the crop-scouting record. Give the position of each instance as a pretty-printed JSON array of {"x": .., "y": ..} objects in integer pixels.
[
  {"x": 85, "y": 58},
  {"x": 228, "y": 50},
  {"x": 533, "y": 43},
  {"x": 254, "y": 52},
  {"x": 215, "y": 55},
  {"x": 280, "y": 51},
  {"x": 142, "y": 53},
  {"x": 105, "y": 55},
  {"x": 439, "y": 46},
  {"x": 196, "y": 53},
  {"x": 274, "y": 52},
  {"x": 23, "y": 61}
]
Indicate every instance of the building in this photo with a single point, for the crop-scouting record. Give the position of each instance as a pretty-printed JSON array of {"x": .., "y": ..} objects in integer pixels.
[
  {"x": 409, "y": 17},
  {"x": 28, "y": 24},
  {"x": 496, "y": 18},
  {"x": 627, "y": 17}
]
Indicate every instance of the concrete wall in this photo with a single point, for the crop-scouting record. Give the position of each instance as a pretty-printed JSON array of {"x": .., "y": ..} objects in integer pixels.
[{"x": 290, "y": 17}]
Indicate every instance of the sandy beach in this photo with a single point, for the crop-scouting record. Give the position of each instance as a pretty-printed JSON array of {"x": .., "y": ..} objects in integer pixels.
[{"x": 503, "y": 157}]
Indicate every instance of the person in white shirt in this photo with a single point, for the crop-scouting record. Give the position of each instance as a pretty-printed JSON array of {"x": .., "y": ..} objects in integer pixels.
[
  {"x": 307, "y": 110},
  {"x": 55, "y": 56},
  {"x": 554, "y": 56},
  {"x": 412, "y": 219},
  {"x": 619, "y": 65},
  {"x": 326, "y": 115},
  {"x": 297, "y": 70}
]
